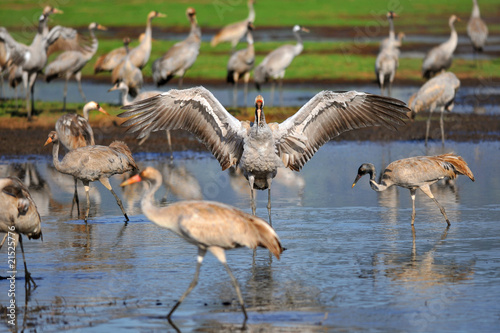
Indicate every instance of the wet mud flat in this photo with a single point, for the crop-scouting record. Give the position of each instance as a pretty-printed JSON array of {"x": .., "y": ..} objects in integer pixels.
[{"x": 18, "y": 137}]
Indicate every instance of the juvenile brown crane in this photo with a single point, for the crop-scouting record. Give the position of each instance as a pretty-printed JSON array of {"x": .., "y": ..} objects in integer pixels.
[
  {"x": 234, "y": 32},
  {"x": 209, "y": 225},
  {"x": 260, "y": 149},
  {"x": 91, "y": 163},
  {"x": 74, "y": 131},
  {"x": 477, "y": 29},
  {"x": 436, "y": 94},
  {"x": 417, "y": 173},
  {"x": 71, "y": 63},
  {"x": 440, "y": 57},
  {"x": 18, "y": 216}
]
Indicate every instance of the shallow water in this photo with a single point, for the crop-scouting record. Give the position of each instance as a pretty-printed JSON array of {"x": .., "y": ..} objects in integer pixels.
[
  {"x": 351, "y": 262},
  {"x": 482, "y": 98}
]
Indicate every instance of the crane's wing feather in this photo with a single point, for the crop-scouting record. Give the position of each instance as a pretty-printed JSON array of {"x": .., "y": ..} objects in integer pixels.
[
  {"x": 195, "y": 110},
  {"x": 16, "y": 50},
  {"x": 60, "y": 32},
  {"x": 327, "y": 115}
]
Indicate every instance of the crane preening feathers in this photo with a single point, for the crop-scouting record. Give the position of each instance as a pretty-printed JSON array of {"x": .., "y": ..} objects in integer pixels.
[
  {"x": 260, "y": 148},
  {"x": 417, "y": 173}
]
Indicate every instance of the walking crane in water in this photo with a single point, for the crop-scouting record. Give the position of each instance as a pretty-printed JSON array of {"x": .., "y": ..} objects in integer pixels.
[
  {"x": 387, "y": 60},
  {"x": 74, "y": 131},
  {"x": 209, "y": 225},
  {"x": 477, "y": 29},
  {"x": 72, "y": 62},
  {"x": 139, "y": 56},
  {"x": 417, "y": 173},
  {"x": 234, "y": 32},
  {"x": 275, "y": 63},
  {"x": 18, "y": 216},
  {"x": 181, "y": 56},
  {"x": 436, "y": 94},
  {"x": 260, "y": 148},
  {"x": 440, "y": 57},
  {"x": 32, "y": 59},
  {"x": 91, "y": 163},
  {"x": 241, "y": 64}
]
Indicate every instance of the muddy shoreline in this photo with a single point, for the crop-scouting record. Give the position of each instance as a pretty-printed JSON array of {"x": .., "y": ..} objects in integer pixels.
[{"x": 19, "y": 137}]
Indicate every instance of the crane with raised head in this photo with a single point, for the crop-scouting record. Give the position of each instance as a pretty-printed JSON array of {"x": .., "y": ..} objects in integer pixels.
[
  {"x": 275, "y": 63},
  {"x": 260, "y": 148},
  {"x": 71, "y": 63},
  {"x": 234, "y": 32},
  {"x": 240, "y": 64},
  {"x": 209, "y": 226},
  {"x": 387, "y": 60},
  {"x": 440, "y": 57},
  {"x": 418, "y": 172},
  {"x": 477, "y": 30},
  {"x": 180, "y": 57}
]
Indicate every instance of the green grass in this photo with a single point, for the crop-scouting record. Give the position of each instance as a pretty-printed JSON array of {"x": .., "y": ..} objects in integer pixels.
[{"x": 23, "y": 14}]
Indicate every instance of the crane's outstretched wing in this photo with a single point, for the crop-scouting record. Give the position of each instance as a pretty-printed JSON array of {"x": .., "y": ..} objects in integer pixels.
[
  {"x": 60, "y": 32},
  {"x": 327, "y": 115},
  {"x": 79, "y": 42},
  {"x": 18, "y": 52},
  {"x": 195, "y": 110}
]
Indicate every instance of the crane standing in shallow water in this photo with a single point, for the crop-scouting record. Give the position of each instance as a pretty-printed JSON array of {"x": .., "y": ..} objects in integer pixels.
[
  {"x": 91, "y": 163},
  {"x": 417, "y": 173},
  {"x": 260, "y": 148},
  {"x": 74, "y": 131},
  {"x": 18, "y": 215},
  {"x": 209, "y": 225}
]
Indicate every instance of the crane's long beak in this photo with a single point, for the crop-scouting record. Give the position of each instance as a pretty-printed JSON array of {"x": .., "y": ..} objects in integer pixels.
[
  {"x": 356, "y": 180},
  {"x": 49, "y": 140},
  {"x": 305, "y": 29},
  {"x": 161, "y": 15},
  {"x": 132, "y": 180},
  {"x": 113, "y": 88},
  {"x": 57, "y": 11},
  {"x": 103, "y": 111},
  {"x": 101, "y": 27},
  {"x": 458, "y": 19}
]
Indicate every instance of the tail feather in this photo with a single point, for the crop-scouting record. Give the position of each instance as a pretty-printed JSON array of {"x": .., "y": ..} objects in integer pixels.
[
  {"x": 459, "y": 165},
  {"x": 98, "y": 64},
  {"x": 268, "y": 238},
  {"x": 230, "y": 77},
  {"x": 122, "y": 147}
]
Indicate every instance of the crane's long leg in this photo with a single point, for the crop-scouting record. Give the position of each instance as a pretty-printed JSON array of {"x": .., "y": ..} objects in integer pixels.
[
  {"x": 31, "y": 81},
  {"x": 428, "y": 126},
  {"x": 78, "y": 77},
  {"x": 269, "y": 182},
  {"x": 427, "y": 190},
  {"x": 201, "y": 255},
  {"x": 272, "y": 93},
  {"x": 441, "y": 123},
  {"x": 27, "y": 275},
  {"x": 221, "y": 256},
  {"x": 251, "y": 180},
  {"x": 65, "y": 92},
  {"x": 238, "y": 291},
  {"x": 381, "y": 83},
  {"x": 105, "y": 182},
  {"x": 281, "y": 91},
  {"x": 87, "y": 189},
  {"x": 180, "y": 81},
  {"x": 25, "y": 77},
  {"x": 246, "y": 78},
  {"x": 169, "y": 140},
  {"x": 3, "y": 241},
  {"x": 235, "y": 94},
  {"x": 75, "y": 198},
  {"x": 413, "y": 213}
]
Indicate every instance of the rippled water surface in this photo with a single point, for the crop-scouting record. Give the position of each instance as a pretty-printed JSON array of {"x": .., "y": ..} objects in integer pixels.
[{"x": 351, "y": 264}]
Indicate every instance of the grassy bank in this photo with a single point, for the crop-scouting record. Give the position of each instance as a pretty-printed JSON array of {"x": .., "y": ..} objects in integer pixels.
[{"x": 215, "y": 13}]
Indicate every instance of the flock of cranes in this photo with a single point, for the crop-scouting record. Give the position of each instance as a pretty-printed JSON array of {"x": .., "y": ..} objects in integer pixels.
[{"x": 258, "y": 148}]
